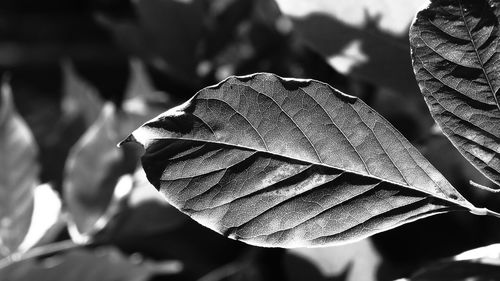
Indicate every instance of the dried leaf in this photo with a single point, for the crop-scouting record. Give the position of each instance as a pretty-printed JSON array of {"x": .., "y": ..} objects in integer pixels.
[
  {"x": 94, "y": 183},
  {"x": 46, "y": 222},
  {"x": 92, "y": 171},
  {"x": 288, "y": 163}
]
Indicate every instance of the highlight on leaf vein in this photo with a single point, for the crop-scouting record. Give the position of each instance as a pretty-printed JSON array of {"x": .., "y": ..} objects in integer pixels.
[{"x": 279, "y": 162}]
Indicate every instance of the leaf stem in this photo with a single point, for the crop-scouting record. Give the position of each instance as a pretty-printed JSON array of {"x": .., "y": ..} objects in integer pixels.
[
  {"x": 39, "y": 252},
  {"x": 492, "y": 213},
  {"x": 484, "y": 212}
]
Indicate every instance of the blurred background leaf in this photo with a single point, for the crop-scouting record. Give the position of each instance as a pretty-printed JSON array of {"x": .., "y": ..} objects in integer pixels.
[
  {"x": 81, "y": 264},
  {"x": 459, "y": 78},
  {"x": 47, "y": 221},
  {"x": 18, "y": 174}
]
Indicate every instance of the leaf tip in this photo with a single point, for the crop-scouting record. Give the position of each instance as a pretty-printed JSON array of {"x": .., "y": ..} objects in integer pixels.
[{"x": 128, "y": 139}]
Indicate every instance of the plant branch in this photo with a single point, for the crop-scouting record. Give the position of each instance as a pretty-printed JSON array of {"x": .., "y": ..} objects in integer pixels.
[
  {"x": 492, "y": 213},
  {"x": 39, "y": 252}
]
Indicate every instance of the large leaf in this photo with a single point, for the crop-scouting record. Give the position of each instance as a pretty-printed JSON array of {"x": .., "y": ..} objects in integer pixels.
[
  {"x": 92, "y": 170},
  {"x": 80, "y": 99},
  {"x": 166, "y": 233},
  {"x": 289, "y": 162},
  {"x": 359, "y": 261},
  {"x": 18, "y": 174},
  {"x": 365, "y": 39},
  {"x": 455, "y": 50},
  {"x": 95, "y": 165},
  {"x": 47, "y": 221}
]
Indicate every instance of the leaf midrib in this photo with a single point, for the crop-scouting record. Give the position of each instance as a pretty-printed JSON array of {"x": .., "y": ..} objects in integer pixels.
[
  {"x": 464, "y": 204},
  {"x": 477, "y": 54},
  {"x": 332, "y": 122}
]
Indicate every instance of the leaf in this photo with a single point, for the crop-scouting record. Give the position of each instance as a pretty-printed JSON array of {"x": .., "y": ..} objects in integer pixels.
[
  {"x": 80, "y": 100},
  {"x": 358, "y": 261},
  {"x": 94, "y": 182},
  {"x": 18, "y": 174},
  {"x": 81, "y": 264},
  {"x": 455, "y": 51},
  {"x": 46, "y": 221},
  {"x": 141, "y": 101},
  {"x": 92, "y": 172},
  {"x": 365, "y": 39},
  {"x": 479, "y": 264},
  {"x": 289, "y": 162},
  {"x": 140, "y": 199}
]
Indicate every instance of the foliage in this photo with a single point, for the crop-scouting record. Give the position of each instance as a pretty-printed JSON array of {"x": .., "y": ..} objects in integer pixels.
[
  {"x": 328, "y": 170},
  {"x": 269, "y": 161}
]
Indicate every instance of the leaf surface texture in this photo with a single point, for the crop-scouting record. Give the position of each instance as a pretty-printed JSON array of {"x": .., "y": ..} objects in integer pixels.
[
  {"x": 455, "y": 51},
  {"x": 18, "y": 174},
  {"x": 288, "y": 163}
]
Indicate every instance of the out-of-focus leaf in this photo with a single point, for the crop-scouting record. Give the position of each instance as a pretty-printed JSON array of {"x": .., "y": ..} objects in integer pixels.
[
  {"x": 81, "y": 264},
  {"x": 160, "y": 231},
  {"x": 141, "y": 101},
  {"x": 18, "y": 174},
  {"x": 353, "y": 262},
  {"x": 136, "y": 195},
  {"x": 92, "y": 171},
  {"x": 366, "y": 39},
  {"x": 167, "y": 34},
  {"x": 140, "y": 85},
  {"x": 455, "y": 51},
  {"x": 288, "y": 163},
  {"x": 46, "y": 221},
  {"x": 80, "y": 99},
  {"x": 481, "y": 264}
]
